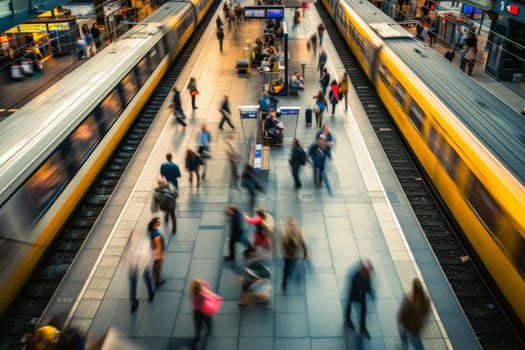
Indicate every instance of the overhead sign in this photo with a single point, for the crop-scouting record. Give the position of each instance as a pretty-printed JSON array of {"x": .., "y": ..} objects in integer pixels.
[
  {"x": 249, "y": 112},
  {"x": 264, "y": 12},
  {"x": 290, "y": 110}
]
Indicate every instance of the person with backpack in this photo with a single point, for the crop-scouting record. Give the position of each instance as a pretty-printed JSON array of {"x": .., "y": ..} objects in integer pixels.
[
  {"x": 158, "y": 246},
  {"x": 333, "y": 94},
  {"x": 165, "y": 199},
  {"x": 264, "y": 227},
  {"x": 291, "y": 240},
  {"x": 297, "y": 160}
]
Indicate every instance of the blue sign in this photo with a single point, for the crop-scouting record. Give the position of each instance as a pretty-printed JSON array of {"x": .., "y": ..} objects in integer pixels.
[
  {"x": 290, "y": 110},
  {"x": 249, "y": 112}
]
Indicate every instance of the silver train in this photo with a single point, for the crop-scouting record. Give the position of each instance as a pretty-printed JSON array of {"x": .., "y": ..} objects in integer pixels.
[{"x": 54, "y": 147}]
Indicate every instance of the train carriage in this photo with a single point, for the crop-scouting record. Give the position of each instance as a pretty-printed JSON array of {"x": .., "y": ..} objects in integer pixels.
[
  {"x": 55, "y": 146},
  {"x": 469, "y": 143}
]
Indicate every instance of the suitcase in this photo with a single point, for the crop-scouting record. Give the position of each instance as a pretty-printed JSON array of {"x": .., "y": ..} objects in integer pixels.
[
  {"x": 243, "y": 66},
  {"x": 308, "y": 116}
]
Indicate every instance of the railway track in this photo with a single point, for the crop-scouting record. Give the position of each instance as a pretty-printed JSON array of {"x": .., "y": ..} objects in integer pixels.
[
  {"x": 488, "y": 320},
  {"x": 31, "y": 302}
]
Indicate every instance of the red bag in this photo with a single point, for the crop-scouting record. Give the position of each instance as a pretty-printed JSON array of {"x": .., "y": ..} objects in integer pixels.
[{"x": 211, "y": 302}]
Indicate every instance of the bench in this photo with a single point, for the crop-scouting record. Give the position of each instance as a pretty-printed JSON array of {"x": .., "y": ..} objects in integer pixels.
[{"x": 260, "y": 159}]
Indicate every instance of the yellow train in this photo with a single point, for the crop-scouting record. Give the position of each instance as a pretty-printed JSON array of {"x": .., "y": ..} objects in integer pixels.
[
  {"x": 54, "y": 147},
  {"x": 471, "y": 145}
]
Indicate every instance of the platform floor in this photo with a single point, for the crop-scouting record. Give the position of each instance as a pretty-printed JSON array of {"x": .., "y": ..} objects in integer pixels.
[{"x": 367, "y": 216}]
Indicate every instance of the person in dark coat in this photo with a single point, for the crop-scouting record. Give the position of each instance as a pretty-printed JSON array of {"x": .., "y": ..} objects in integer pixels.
[
  {"x": 96, "y": 36},
  {"x": 177, "y": 105},
  {"x": 226, "y": 113},
  {"x": 297, "y": 159},
  {"x": 318, "y": 156},
  {"x": 237, "y": 233},
  {"x": 361, "y": 286},
  {"x": 249, "y": 182},
  {"x": 412, "y": 315}
]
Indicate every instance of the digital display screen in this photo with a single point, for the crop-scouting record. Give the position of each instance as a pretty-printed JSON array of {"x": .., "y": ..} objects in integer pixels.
[
  {"x": 254, "y": 13},
  {"x": 274, "y": 13}
]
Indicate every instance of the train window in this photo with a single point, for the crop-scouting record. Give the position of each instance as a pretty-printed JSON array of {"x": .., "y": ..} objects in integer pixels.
[
  {"x": 519, "y": 254},
  {"x": 154, "y": 57},
  {"x": 172, "y": 39},
  {"x": 83, "y": 140},
  {"x": 486, "y": 209},
  {"x": 384, "y": 75},
  {"x": 399, "y": 94},
  {"x": 129, "y": 87},
  {"x": 143, "y": 71},
  {"x": 450, "y": 159},
  {"x": 160, "y": 47},
  {"x": 434, "y": 140},
  {"x": 30, "y": 202},
  {"x": 445, "y": 154},
  {"x": 185, "y": 23},
  {"x": 416, "y": 116},
  {"x": 110, "y": 109}
]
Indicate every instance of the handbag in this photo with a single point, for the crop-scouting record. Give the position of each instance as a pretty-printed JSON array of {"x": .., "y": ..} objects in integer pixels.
[
  {"x": 211, "y": 302},
  {"x": 195, "y": 92},
  {"x": 316, "y": 109}
]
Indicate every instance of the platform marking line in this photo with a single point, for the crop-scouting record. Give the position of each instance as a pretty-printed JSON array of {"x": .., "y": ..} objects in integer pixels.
[
  {"x": 383, "y": 207},
  {"x": 146, "y": 171}
]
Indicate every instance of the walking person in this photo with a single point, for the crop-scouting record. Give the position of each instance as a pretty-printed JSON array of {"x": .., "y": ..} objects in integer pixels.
[
  {"x": 249, "y": 182},
  {"x": 320, "y": 105},
  {"x": 325, "y": 139},
  {"x": 323, "y": 58},
  {"x": 412, "y": 314},
  {"x": 96, "y": 36},
  {"x": 177, "y": 104},
  {"x": 360, "y": 287},
  {"x": 233, "y": 154},
  {"x": 264, "y": 226},
  {"x": 297, "y": 159},
  {"x": 291, "y": 241},
  {"x": 192, "y": 87},
  {"x": 176, "y": 116},
  {"x": 170, "y": 171},
  {"x": 220, "y": 36},
  {"x": 237, "y": 233},
  {"x": 200, "y": 318},
  {"x": 192, "y": 164},
  {"x": 226, "y": 113},
  {"x": 333, "y": 94},
  {"x": 158, "y": 246},
  {"x": 139, "y": 261},
  {"x": 204, "y": 148},
  {"x": 318, "y": 156},
  {"x": 313, "y": 40},
  {"x": 344, "y": 87},
  {"x": 165, "y": 198},
  {"x": 320, "y": 31},
  {"x": 324, "y": 81}
]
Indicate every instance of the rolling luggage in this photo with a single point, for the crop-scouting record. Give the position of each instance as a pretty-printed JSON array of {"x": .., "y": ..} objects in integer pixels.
[{"x": 308, "y": 116}]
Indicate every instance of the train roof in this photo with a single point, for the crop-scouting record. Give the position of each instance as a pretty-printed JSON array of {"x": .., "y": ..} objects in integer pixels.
[
  {"x": 166, "y": 12},
  {"x": 497, "y": 126},
  {"x": 34, "y": 130}
]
